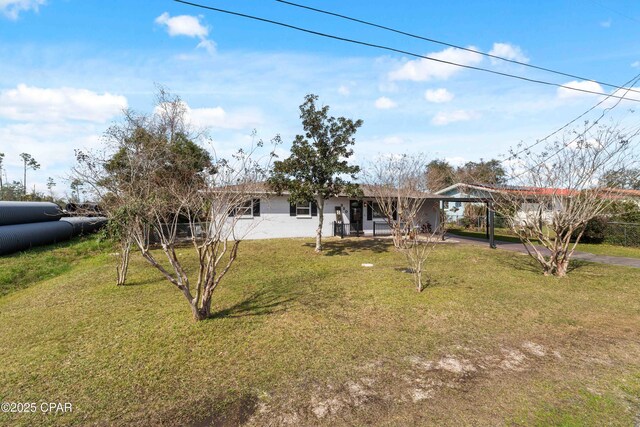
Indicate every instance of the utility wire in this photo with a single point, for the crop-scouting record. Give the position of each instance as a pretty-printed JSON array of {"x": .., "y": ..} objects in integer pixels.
[
  {"x": 617, "y": 12},
  {"x": 415, "y": 36},
  {"x": 391, "y": 49},
  {"x": 566, "y": 145},
  {"x": 514, "y": 155}
]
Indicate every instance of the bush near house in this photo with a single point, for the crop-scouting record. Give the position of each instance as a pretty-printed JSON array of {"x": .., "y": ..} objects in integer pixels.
[
  {"x": 594, "y": 232},
  {"x": 472, "y": 215}
]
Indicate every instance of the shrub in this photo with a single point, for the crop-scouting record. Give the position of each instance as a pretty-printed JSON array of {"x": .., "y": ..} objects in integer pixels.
[{"x": 595, "y": 231}]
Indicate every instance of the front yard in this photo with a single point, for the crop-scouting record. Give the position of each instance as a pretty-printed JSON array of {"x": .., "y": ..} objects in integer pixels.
[{"x": 305, "y": 339}]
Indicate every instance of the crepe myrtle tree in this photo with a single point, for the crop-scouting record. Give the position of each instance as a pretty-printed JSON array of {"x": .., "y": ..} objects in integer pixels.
[
  {"x": 318, "y": 165},
  {"x": 397, "y": 184},
  {"x": 399, "y": 188},
  {"x": 554, "y": 193},
  {"x": 155, "y": 180}
]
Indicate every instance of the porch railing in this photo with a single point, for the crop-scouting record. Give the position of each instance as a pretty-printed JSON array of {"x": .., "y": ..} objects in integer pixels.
[
  {"x": 382, "y": 229},
  {"x": 342, "y": 229}
]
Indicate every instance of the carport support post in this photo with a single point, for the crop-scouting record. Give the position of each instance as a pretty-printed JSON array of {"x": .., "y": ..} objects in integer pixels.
[
  {"x": 487, "y": 221},
  {"x": 442, "y": 216},
  {"x": 491, "y": 225}
]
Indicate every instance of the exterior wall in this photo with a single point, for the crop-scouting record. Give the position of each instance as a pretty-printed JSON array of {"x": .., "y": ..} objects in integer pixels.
[
  {"x": 455, "y": 210},
  {"x": 275, "y": 220}
]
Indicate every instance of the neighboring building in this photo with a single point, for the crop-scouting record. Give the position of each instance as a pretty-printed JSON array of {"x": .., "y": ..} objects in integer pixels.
[
  {"x": 455, "y": 209},
  {"x": 626, "y": 195},
  {"x": 271, "y": 216},
  {"x": 552, "y": 197}
]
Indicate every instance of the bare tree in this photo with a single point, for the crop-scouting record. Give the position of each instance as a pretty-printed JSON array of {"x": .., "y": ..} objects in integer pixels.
[
  {"x": 168, "y": 191},
  {"x": 399, "y": 188},
  {"x": 554, "y": 193},
  {"x": 417, "y": 249},
  {"x": 397, "y": 183}
]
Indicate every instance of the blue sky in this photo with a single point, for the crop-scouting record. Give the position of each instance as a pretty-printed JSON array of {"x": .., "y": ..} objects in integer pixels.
[{"x": 69, "y": 66}]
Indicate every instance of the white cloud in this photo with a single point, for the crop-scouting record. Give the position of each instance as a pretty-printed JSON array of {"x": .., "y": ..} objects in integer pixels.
[
  {"x": 635, "y": 64},
  {"x": 424, "y": 70},
  {"x": 456, "y": 160},
  {"x": 54, "y": 152},
  {"x": 438, "y": 96},
  {"x": 217, "y": 117},
  {"x": 606, "y": 24},
  {"x": 392, "y": 140},
  {"x": 183, "y": 25},
  {"x": 12, "y": 8},
  {"x": 627, "y": 93},
  {"x": 344, "y": 90},
  {"x": 507, "y": 51},
  {"x": 384, "y": 103},
  {"x": 189, "y": 26},
  {"x": 446, "y": 117},
  {"x": 208, "y": 45},
  {"x": 28, "y": 103},
  {"x": 564, "y": 93}
]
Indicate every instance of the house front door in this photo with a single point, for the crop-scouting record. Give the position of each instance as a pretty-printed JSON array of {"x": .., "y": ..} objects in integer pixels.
[{"x": 355, "y": 216}]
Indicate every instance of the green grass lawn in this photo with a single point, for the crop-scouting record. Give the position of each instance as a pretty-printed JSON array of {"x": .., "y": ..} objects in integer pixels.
[
  {"x": 598, "y": 249},
  {"x": 306, "y": 339}
]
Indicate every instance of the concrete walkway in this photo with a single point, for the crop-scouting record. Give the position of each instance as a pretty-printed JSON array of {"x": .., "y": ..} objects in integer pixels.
[{"x": 519, "y": 247}]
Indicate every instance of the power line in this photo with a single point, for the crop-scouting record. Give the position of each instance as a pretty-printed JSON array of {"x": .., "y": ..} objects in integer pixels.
[
  {"x": 565, "y": 146},
  {"x": 415, "y": 36},
  {"x": 514, "y": 155},
  {"x": 391, "y": 49},
  {"x": 617, "y": 12}
]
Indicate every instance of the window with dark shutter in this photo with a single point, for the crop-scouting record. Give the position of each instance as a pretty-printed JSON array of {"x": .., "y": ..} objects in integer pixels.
[
  {"x": 256, "y": 207},
  {"x": 292, "y": 209},
  {"x": 369, "y": 211},
  {"x": 243, "y": 210},
  {"x": 314, "y": 209}
]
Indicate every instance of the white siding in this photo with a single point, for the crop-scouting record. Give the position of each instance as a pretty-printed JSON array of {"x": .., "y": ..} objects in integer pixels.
[{"x": 275, "y": 221}]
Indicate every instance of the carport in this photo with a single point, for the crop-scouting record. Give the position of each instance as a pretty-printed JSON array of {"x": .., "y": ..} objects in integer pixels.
[{"x": 490, "y": 217}]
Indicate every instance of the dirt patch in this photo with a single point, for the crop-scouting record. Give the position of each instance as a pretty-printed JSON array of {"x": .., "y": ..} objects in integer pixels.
[
  {"x": 535, "y": 349},
  {"x": 513, "y": 360},
  {"x": 455, "y": 366},
  {"x": 237, "y": 413},
  {"x": 378, "y": 386}
]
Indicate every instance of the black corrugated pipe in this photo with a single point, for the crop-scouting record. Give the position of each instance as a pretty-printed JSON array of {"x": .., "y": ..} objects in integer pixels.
[
  {"x": 28, "y": 212},
  {"x": 20, "y": 237},
  {"x": 14, "y": 238},
  {"x": 85, "y": 225}
]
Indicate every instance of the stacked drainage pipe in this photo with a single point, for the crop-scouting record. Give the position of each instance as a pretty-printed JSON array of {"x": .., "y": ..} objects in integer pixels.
[{"x": 24, "y": 225}]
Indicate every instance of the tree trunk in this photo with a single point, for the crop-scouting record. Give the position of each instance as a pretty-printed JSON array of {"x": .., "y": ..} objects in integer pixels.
[
  {"x": 123, "y": 263},
  {"x": 320, "y": 222},
  {"x": 561, "y": 269},
  {"x": 202, "y": 309}
]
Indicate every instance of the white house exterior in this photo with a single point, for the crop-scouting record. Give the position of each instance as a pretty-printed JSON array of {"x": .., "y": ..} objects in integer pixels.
[{"x": 272, "y": 216}]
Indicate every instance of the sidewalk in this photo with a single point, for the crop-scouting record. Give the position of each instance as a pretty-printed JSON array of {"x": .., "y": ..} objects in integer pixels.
[{"x": 519, "y": 247}]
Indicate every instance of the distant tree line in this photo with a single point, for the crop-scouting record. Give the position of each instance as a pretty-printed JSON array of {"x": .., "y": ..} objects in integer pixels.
[
  {"x": 441, "y": 174},
  {"x": 19, "y": 190}
]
